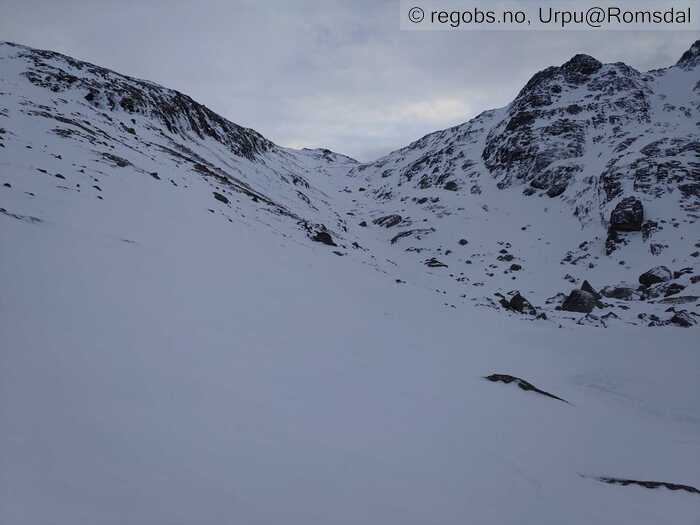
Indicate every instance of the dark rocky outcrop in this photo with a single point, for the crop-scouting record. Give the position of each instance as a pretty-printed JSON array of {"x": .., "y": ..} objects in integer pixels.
[
  {"x": 434, "y": 263},
  {"x": 691, "y": 57},
  {"x": 628, "y": 215},
  {"x": 673, "y": 289},
  {"x": 579, "y": 301},
  {"x": 683, "y": 319},
  {"x": 524, "y": 385},
  {"x": 388, "y": 220},
  {"x": 649, "y": 484},
  {"x": 417, "y": 234},
  {"x": 324, "y": 238},
  {"x": 220, "y": 197},
  {"x": 586, "y": 287},
  {"x": 517, "y": 303},
  {"x": 658, "y": 274}
]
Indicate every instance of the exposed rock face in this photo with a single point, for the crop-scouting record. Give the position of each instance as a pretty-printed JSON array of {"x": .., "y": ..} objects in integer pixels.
[
  {"x": 628, "y": 215},
  {"x": 579, "y": 301},
  {"x": 658, "y": 274}
]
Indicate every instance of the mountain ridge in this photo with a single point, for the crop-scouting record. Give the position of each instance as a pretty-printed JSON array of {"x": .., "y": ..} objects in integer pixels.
[{"x": 602, "y": 143}]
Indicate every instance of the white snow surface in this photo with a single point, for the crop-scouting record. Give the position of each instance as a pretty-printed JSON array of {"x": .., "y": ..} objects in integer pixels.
[{"x": 168, "y": 358}]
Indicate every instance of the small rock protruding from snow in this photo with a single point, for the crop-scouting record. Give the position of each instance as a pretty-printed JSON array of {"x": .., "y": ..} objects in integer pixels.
[
  {"x": 324, "y": 238},
  {"x": 435, "y": 263},
  {"x": 221, "y": 198},
  {"x": 682, "y": 319},
  {"x": 524, "y": 385}
]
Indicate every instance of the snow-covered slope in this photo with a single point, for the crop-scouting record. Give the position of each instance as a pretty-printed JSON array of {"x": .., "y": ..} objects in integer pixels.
[{"x": 180, "y": 342}]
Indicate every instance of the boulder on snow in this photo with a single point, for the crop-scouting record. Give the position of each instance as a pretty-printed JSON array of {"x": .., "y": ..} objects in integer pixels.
[
  {"x": 658, "y": 274},
  {"x": 579, "y": 301},
  {"x": 522, "y": 305},
  {"x": 628, "y": 215},
  {"x": 518, "y": 303}
]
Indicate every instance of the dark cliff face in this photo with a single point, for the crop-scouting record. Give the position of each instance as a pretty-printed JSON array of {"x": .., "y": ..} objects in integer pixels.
[
  {"x": 542, "y": 139},
  {"x": 108, "y": 91}
]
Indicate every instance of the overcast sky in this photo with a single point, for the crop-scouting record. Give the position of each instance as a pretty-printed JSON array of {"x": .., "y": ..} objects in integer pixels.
[{"x": 320, "y": 73}]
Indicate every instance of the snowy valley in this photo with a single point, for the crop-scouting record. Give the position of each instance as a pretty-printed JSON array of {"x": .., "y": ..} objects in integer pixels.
[{"x": 494, "y": 324}]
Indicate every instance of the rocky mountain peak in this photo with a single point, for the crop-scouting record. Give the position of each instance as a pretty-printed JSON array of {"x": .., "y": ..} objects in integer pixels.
[
  {"x": 582, "y": 65},
  {"x": 576, "y": 70},
  {"x": 690, "y": 57}
]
